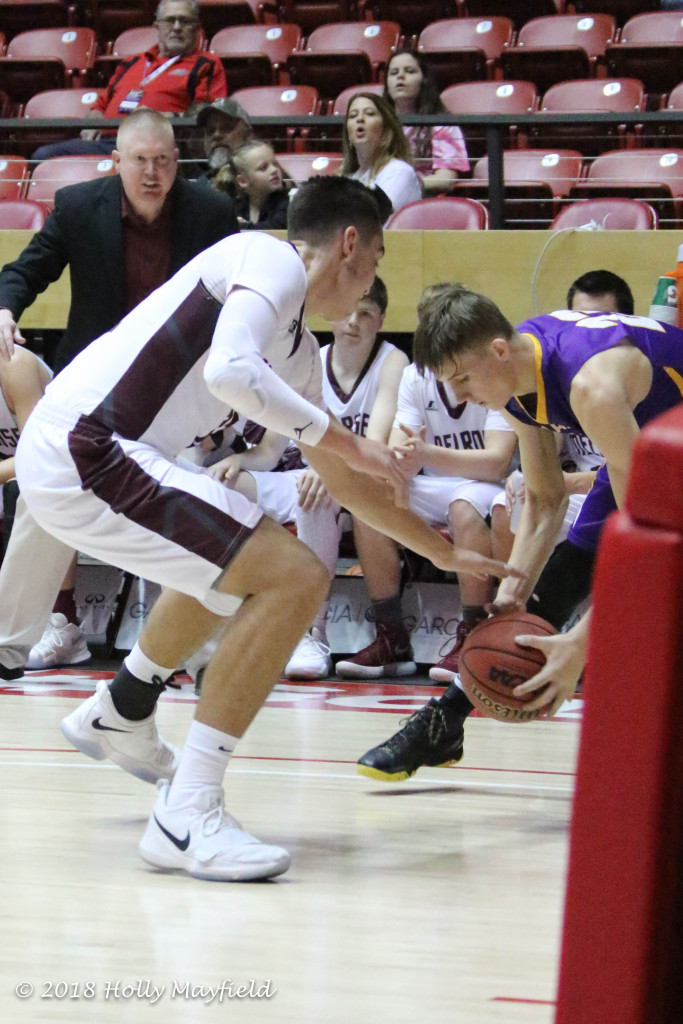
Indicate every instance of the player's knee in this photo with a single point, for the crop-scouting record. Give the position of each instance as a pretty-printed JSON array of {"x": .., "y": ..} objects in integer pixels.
[
  {"x": 310, "y": 581},
  {"x": 461, "y": 515}
]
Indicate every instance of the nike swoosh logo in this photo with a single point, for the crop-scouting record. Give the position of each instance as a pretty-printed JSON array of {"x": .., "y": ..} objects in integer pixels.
[
  {"x": 182, "y": 844},
  {"x": 97, "y": 724},
  {"x": 225, "y": 749}
]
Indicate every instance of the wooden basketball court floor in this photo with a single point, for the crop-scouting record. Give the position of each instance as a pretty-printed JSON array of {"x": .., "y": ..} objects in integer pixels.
[{"x": 435, "y": 900}]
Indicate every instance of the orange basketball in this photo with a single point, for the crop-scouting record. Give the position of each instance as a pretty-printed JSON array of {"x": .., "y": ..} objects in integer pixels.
[{"x": 492, "y": 664}]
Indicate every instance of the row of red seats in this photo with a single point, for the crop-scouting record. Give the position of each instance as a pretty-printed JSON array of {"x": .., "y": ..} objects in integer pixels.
[
  {"x": 511, "y": 98},
  {"x": 539, "y": 176},
  {"x": 546, "y": 50},
  {"x": 439, "y": 213},
  {"x": 111, "y": 17}
]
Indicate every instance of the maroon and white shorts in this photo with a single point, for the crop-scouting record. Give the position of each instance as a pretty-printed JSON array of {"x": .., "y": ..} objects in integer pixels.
[{"x": 126, "y": 504}]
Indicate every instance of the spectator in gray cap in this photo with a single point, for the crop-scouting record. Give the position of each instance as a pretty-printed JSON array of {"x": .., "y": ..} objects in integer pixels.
[{"x": 226, "y": 129}]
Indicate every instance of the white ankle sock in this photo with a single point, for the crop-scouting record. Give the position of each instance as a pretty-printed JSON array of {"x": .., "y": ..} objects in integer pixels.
[
  {"x": 320, "y": 620},
  {"x": 203, "y": 762},
  {"x": 139, "y": 665}
]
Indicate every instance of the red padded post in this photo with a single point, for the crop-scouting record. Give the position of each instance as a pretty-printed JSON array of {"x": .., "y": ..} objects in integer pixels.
[{"x": 622, "y": 952}]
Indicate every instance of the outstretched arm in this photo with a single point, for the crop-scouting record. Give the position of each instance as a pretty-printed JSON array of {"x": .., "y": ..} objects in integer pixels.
[{"x": 371, "y": 501}]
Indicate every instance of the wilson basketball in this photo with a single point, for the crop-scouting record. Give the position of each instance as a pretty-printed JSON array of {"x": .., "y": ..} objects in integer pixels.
[{"x": 492, "y": 664}]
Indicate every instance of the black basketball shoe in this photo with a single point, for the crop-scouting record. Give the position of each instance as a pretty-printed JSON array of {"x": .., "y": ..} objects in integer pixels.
[{"x": 433, "y": 736}]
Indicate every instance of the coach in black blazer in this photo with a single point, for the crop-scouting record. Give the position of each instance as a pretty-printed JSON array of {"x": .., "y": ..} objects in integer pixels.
[{"x": 85, "y": 231}]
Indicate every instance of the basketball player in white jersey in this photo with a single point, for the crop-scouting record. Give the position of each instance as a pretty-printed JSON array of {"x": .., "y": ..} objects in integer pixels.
[
  {"x": 361, "y": 375},
  {"x": 96, "y": 464},
  {"x": 463, "y": 452}
]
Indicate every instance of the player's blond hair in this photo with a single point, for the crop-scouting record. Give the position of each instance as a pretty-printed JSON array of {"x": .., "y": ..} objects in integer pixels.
[{"x": 451, "y": 320}]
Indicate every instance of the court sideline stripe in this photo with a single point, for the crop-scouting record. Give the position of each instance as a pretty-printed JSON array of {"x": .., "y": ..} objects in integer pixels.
[
  {"x": 308, "y": 760},
  {"x": 309, "y": 775}
]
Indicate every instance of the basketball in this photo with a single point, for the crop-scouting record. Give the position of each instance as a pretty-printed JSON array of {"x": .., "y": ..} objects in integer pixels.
[{"x": 492, "y": 664}]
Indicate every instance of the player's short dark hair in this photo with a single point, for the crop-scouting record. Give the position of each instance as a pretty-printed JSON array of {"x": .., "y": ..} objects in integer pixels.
[
  {"x": 452, "y": 320},
  {"x": 325, "y": 205},
  {"x": 603, "y": 282},
  {"x": 378, "y": 295}
]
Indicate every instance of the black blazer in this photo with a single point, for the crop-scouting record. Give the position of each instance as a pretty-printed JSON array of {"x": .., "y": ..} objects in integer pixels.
[{"x": 85, "y": 231}]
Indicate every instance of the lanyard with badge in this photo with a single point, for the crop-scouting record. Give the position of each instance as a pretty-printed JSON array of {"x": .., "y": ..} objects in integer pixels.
[{"x": 134, "y": 97}]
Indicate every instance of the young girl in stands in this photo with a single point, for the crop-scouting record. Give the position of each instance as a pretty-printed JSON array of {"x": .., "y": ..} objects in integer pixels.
[
  {"x": 438, "y": 150},
  {"x": 376, "y": 152},
  {"x": 254, "y": 177}
]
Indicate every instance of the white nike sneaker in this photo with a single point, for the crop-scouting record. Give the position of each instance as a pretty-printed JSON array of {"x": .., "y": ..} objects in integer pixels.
[
  {"x": 310, "y": 659},
  {"x": 204, "y": 841},
  {"x": 62, "y": 643},
  {"x": 98, "y": 730}
]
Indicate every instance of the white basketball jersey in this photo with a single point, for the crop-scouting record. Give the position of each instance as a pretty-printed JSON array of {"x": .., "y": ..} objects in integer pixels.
[
  {"x": 145, "y": 378},
  {"x": 9, "y": 431},
  {"x": 425, "y": 401},
  {"x": 353, "y": 409}
]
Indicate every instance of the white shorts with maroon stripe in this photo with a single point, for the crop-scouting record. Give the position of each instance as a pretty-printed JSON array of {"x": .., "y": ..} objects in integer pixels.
[
  {"x": 431, "y": 496},
  {"x": 128, "y": 505}
]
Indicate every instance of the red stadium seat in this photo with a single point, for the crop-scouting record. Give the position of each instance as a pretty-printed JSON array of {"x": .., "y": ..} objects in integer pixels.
[
  {"x": 671, "y": 132},
  {"x": 135, "y": 40},
  {"x": 61, "y": 103},
  {"x": 493, "y": 98},
  {"x": 300, "y": 166},
  {"x": 464, "y": 49},
  {"x": 252, "y": 53},
  {"x": 534, "y": 180},
  {"x": 342, "y": 101},
  {"x": 558, "y": 168},
  {"x": 59, "y": 171},
  {"x": 442, "y": 213},
  {"x": 624, "y": 95},
  {"x": 655, "y": 175},
  {"x": 276, "y": 101},
  {"x": 13, "y": 177},
  {"x": 74, "y": 103},
  {"x": 609, "y": 214},
  {"x": 341, "y": 55},
  {"x": 590, "y": 32},
  {"x": 75, "y": 47},
  {"x": 21, "y": 215},
  {"x": 650, "y": 48}
]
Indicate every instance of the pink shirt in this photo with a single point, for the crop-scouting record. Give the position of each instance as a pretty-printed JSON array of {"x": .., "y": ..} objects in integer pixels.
[{"x": 448, "y": 149}]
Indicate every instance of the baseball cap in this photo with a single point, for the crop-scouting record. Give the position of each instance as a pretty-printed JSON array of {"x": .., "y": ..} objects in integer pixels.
[{"x": 225, "y": 106}]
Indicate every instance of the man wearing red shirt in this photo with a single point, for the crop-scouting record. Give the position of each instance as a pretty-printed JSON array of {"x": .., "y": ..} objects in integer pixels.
[{"x": 169, "y": 77}]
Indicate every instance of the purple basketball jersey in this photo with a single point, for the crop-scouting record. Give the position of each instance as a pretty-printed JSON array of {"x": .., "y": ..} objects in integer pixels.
[{"x": 563, "y": 342}]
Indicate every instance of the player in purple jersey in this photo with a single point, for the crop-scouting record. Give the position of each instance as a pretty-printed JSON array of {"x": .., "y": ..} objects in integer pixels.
[
  {"x": 435, "y": 732},
  {"x": 605, "y": 375}
]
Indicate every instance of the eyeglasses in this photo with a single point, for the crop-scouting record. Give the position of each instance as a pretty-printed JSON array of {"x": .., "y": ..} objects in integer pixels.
[{"x": 171, "y": 21}]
